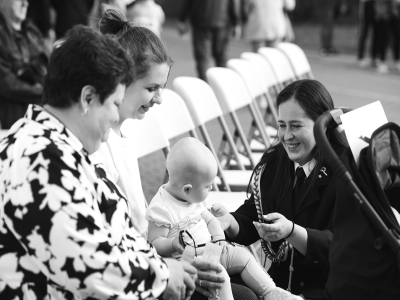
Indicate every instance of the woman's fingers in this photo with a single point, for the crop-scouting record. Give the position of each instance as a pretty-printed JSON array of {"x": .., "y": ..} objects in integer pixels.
[
  {"x": 203, "y": 265},
  {"x": 272, "y": 217},
  {"x": 189, "y": 268},
  {"x": 189, "y": 287},
  {"x": 204, "y": 286},
  {"x": 269, "y": 232},
  {"x": 204, "y": 292}
]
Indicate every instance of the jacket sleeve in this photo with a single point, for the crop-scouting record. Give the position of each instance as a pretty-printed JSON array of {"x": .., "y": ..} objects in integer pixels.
[
  {"x": 245, "y": 215},
  {"x": 78, "y": 234},
  {"x": 12, "y": 87}
]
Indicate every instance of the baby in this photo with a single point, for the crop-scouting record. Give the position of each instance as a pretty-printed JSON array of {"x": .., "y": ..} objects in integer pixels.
[{"x": 179, "y": 207}]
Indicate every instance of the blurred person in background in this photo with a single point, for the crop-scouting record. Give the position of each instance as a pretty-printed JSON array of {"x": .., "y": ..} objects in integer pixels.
[
  {"x": 267, "y": 25},
  {"x": 330, "y": 10},
  {"x": 23, "y": 62},
  {"x": 40, "y": 13},
  {"x": 146, "y": 13},
  {"x": 71, "y": 13},
  {"x": 365, "y": 25},
  {"x": 213, "y": 22},
  {"x": 386, "y": 30}
]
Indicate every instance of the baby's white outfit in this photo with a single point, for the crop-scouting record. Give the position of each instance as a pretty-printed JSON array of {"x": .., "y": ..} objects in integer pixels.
[{"x": 166, "y": 210}]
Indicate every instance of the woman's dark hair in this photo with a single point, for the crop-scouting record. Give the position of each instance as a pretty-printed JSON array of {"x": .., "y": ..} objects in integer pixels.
[
  {"x": 85, "y": 57},
  {"x": 143, "y": 45},
  {"x": 314, "y": 99}
]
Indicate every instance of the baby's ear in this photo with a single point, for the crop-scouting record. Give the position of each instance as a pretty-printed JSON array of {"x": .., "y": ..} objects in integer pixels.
[{"x": 186, "y": 188}]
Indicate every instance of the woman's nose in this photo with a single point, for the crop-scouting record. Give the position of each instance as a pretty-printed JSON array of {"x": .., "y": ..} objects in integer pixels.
[
  {"x": 157, "y": 99},
  {"x": 288, "y": 135}
]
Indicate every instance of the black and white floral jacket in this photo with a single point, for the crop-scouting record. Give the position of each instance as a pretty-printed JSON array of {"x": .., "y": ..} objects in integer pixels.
[{"x": 65, "y": 230}]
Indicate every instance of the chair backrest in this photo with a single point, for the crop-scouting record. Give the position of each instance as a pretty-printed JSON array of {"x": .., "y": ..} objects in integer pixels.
[
  {"x": 3, "y": 133},
  {"x": 199, "y": 97},
  {"x": 279, "y": 62},
  {"x": 264, "y": 68},
  {"x": 173, "y": 115},
  {"x": 229, "y": 87},
  {"x": 250, "y": 75},
  {"x": 147, "y": 132},
  {"x": 297, "y": 58}
]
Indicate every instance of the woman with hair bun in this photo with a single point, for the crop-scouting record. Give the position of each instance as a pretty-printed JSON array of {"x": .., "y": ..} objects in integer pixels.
[{"x": 117, "y": 156}]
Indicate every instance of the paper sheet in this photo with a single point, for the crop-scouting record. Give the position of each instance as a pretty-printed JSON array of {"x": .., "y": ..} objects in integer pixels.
[{"x": 360, "y": 123}]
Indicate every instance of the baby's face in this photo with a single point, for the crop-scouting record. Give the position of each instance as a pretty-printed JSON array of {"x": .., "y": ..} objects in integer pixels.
[{"x": 201, "y": 186}]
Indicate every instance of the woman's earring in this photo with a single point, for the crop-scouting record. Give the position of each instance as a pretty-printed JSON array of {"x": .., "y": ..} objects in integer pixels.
[{"x": 84, "y": 112}]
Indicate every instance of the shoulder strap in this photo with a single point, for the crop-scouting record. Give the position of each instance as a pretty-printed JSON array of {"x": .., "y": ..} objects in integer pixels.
[{"x": 266, "y": 245}]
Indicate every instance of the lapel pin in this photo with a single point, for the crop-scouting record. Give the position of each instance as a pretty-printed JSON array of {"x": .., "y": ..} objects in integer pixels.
[{"x": 323, "y": 170}]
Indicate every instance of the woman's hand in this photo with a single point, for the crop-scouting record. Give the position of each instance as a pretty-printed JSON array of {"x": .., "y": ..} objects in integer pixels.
[
  {"x": 181, "y": 283},
  {"x": 277, "y": 227},
  {"x": 205, "y": 279},
  {"x": 221, "y": 213}
]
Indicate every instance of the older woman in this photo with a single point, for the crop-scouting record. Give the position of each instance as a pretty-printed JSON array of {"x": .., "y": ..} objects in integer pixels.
[
  {"x": 65, "y": 233},
  {"x": 117, "y": 155},
  {"x": 291, "y": 207}
]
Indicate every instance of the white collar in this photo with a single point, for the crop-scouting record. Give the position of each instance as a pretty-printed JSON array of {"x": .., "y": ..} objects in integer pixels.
[{"x": 307, "y": 167}]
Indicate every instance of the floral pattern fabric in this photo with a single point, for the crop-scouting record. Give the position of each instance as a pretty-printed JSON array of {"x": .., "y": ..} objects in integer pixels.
[{"x": 65, "y": 229}]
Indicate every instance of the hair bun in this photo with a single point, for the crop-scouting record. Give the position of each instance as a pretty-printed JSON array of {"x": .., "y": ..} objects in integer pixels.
[{"x": 113, "y": 21}]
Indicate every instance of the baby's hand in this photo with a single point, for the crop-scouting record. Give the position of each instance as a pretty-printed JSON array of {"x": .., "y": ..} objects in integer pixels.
[
  {"x": 178, "y": 247},
  {"x": 222, "y": 243}
]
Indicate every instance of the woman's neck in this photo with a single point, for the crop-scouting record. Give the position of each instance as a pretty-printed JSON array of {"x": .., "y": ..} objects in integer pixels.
[
  {"x": 67, "y": 116},
  {"x": 15, "y": 24},
  {"x": 117, "y": 129}
]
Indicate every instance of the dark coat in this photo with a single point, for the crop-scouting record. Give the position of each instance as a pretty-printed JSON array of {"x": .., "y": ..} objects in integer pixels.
[
  {"x": 23, "y": 64},
  {"x": 212, "y": 13},
  {"x": 315, "y": 214}
]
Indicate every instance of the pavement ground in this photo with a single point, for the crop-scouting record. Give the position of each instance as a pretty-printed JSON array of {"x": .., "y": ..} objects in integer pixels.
[{"x": 349, "y": 85}]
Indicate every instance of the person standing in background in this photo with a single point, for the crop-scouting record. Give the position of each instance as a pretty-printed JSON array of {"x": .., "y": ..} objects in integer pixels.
[
  {"x": 329, "y": 12},
  {"x": 146, "y": 13},
  {"x": 267, "y": 25},
  {"x": 71, "y": 13},
  {"x": 366, "y": 23},
  {"x": 23, "y": 61},
  {"x": 212, "y": 23},
  {"x": 386, "y": 27}
]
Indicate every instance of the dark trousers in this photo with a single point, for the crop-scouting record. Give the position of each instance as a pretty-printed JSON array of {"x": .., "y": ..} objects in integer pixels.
[
  {"x": 208, "y": 41},
  {"x": 384, "y": 30},
  {"x": 366, "y": 23},
  {"x": 329, "y": 13}
]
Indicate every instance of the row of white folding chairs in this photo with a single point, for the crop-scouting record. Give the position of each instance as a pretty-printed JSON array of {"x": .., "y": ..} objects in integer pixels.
[
  {"x": 271, "y": 69},
  {"x": 171, "y": 120}
]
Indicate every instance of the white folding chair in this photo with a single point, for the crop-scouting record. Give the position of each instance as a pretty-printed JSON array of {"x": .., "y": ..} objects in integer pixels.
[
  {"x": 265, "y": 70},
  {"x": 3, "y": 133},
  {"x": 233, "y": 94},
  {"x": 175, "y": 120},
  {"x": 280, "y": 64},
  {"x": 250, "y": 75},
  {"x": 203, "y": 106},
  {"x": 148, "y": 133},
  {"x": 298, "y": 60}
]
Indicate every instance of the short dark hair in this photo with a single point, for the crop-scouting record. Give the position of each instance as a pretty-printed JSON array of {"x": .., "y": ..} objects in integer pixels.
[
  {"x": 85, "y": 57},
  {"x": 143, "y": 45}
]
